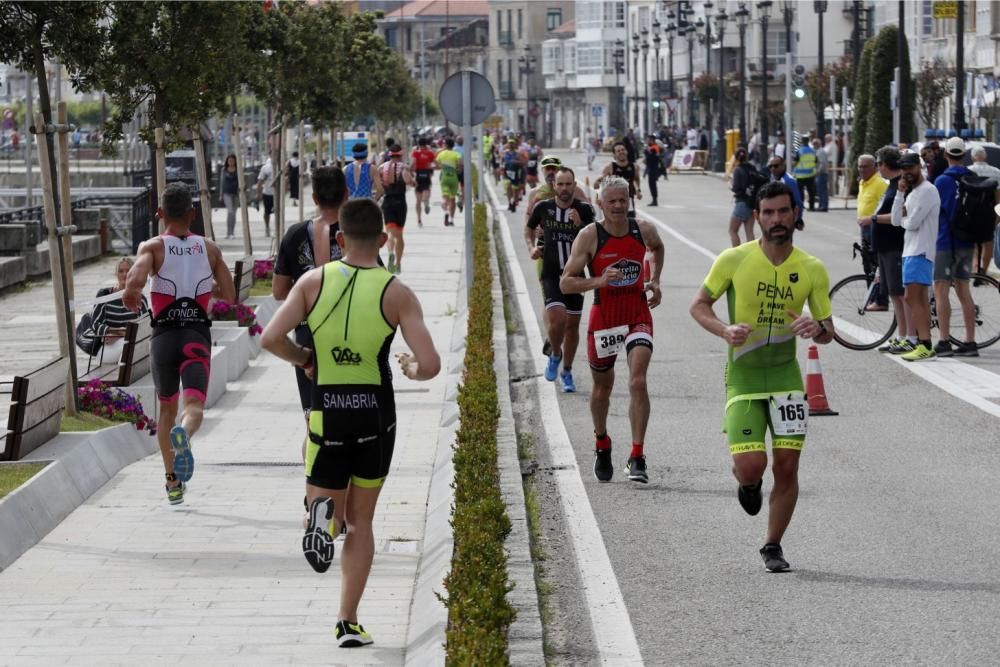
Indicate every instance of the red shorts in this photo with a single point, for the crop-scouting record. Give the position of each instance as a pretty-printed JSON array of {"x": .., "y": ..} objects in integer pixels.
[{"x": 605, "y": 339}]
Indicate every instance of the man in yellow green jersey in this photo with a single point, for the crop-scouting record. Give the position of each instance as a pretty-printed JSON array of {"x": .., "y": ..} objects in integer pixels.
[
  {"x": 353, "y": 307},
  {"x": 766, "y": 283},
  {"x": 448, "y": 161}
]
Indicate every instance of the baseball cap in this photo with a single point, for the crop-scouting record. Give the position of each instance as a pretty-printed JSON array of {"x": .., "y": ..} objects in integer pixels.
[
  {"x": 955, "y": 147},
  {"x": 551, "y": 161},
  {"x": 909, "y": 159}
]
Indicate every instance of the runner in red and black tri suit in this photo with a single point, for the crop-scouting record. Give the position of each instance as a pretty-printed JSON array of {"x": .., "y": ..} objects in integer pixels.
[{"x": 613, "y": 251}]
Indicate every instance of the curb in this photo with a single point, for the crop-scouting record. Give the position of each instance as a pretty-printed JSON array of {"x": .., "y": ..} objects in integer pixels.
[
  {"x": 526, "y": 634},
  {"x": 80, "y": 464},
  {"x": 428, "y": 622}
]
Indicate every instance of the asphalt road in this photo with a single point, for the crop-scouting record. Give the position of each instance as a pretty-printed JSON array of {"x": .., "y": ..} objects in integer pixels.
[{"x": 894, "y": 541}]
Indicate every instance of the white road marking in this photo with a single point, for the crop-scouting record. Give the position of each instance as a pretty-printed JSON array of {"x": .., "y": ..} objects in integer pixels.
[
  {"x": 609, "y": 619},
  {"x": 962, "y": 380}
]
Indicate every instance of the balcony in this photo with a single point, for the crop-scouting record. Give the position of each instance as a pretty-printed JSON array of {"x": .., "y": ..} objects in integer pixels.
[
  {"x": 506, "y": 90},
  {"x": 505, "y": 38}
]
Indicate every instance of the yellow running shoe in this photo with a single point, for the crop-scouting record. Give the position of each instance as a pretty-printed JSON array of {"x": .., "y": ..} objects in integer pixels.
[{"x": 920, "y": 352}]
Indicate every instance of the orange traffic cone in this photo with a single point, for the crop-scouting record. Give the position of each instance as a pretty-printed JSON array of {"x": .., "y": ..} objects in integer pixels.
[{"x": 815, "y": 392}]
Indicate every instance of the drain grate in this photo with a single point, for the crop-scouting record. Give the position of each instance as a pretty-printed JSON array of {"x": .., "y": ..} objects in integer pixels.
[{"x": 257, "y": 464}]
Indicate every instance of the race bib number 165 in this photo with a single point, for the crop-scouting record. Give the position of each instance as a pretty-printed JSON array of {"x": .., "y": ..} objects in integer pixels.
[
  {"x": 609, "y": 342},
  {"x": 789, "y": 414}
]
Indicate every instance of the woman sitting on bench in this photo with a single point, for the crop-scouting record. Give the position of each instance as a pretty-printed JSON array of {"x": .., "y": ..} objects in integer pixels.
[{"x": 109, "y": 318}]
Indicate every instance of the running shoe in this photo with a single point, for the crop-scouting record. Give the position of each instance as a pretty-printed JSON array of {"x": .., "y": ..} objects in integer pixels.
[
  {"x": 392, "y": 263},
  {"x": 889, "y": 345},
  {"x": 552, "y": 368},
  {"x": 943, "y": 349},
  {"x": 774, "y": 559},
  {"x": 568, "y": 386},
  {"x": 967, "y": 350},
  {"x": 750, "y": 497},
  {"x": 920, "y": 353},
  {"x": 902, "y": 347},
  {"x": 445, "y": 219},
  {"x": 175, "y": 495},
  {"x": 351, "y": 635},
  {"x": 317, "y": 543},
  {"x": 183, "y": 459},
  {"x": 604, "y": 470},
  {"x": 635, "y": 468}
]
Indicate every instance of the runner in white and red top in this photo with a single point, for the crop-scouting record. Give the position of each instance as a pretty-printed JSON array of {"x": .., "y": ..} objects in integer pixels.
[
  {"x": 183, "y": 266},
  {"x": 613, "y": 251}
]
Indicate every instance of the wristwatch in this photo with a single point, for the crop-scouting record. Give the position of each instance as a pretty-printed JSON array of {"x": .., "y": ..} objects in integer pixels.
[{"x": 822, "y": 328}]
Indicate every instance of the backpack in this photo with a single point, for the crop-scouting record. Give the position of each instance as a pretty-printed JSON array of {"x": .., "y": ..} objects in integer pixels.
[
  {"x": 85, "y": 338},
  {"x": 757, "y": 181},
  {"x": 974, "y": 217}
]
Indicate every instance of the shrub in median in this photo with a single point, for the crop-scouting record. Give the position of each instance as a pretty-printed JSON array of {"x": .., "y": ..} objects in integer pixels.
[{"x": 478, "y": 611}]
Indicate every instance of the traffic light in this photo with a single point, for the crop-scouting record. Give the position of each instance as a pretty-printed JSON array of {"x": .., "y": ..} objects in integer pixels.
[{"x": 799, "y": 81}]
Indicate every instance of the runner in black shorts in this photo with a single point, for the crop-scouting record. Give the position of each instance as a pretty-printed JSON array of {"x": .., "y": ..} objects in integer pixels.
[
  {"x": 395, "y": 177},
  {"x": 352, "y": 421},
  {"x": 183, "y": 266},
  {"x": 422, "y": 166},
  {"x": 561, "y": 219},
  {"x": 297, "y": 255}
]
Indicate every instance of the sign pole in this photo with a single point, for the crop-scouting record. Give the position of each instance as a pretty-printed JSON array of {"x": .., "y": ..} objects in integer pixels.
[
  {"x": 161, "y": 170},
  {"x": 467, "y": 174}
]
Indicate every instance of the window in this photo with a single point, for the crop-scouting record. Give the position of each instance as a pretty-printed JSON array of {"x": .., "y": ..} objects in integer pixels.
[
  {"x": 776, "y": 43},
  {"x": 643, "y": 18},
  {"x": 390, "y": 37},
  {"x": 618, "y": 9},
  {"x": 520, "y": 24},
  {"x": 553, "y": 18},
  {"x": 409, "y": 38},
  {"x": 589, "y": 58},
  {"x": 570, "y": 57},
  {"x": 588, "y": 14},
  {"x": 499, "y": 26},
  {"x": 499, "y": 73},
  {"x": 927, "y": 27}
]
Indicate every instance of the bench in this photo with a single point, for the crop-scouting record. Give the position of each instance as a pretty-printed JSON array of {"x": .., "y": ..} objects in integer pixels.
[
  {"x": 243, "y": 278},
  {"x": 134, "y": 361},
  {"x": 37, "y": 402}
]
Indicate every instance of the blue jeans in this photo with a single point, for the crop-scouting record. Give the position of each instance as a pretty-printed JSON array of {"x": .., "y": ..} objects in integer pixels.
[{"x": 824, "y": 195}]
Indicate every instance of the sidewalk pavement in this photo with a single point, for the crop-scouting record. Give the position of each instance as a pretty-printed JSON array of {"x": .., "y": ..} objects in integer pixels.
[{"x": 221, "y": 579}]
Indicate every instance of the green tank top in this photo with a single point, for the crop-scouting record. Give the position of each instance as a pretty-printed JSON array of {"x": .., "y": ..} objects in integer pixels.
[{"x": 352, "y": 393}]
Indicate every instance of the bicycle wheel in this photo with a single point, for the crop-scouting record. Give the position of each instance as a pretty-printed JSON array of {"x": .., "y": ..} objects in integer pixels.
[
  {"x": 986, "y": 297},
  {"x": 854, "y": 327}
]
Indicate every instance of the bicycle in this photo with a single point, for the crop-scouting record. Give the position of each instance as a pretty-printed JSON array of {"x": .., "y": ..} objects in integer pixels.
[{"x": 857, "y": 327}]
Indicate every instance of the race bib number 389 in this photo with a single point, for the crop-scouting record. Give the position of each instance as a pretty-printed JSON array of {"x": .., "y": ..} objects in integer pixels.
[
  {"x": 609, "y": 342},
  {"x": 789, "y": 414}
]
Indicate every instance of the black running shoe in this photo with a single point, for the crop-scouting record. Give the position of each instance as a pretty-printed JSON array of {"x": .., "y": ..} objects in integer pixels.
[
  {"x": 635, "y": 468},
  {"x": 317, "y": 543},
  {"x": 351, "y": 635},
  {"x": 967, "y": 350},
  {"x": 750, "y": 497},
  {"x": 603, "y": 468},
  {"x": 774, "y": 559},
  {"x": 943, "y": 349}
]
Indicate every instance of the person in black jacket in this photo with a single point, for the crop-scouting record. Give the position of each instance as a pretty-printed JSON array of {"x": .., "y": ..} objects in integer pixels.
[
  {"x": 744, "y": 185},
  {"x": 230, "y": 194},
  {"x": 654, "y": 162}
]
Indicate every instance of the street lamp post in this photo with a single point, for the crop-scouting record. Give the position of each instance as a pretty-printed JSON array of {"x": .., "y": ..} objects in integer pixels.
[
  {"x": 619, "y": 57},
  {"x": 635, "y": 80},
  {"x": 689, "y": 33},
  {"x": 788, "y": 14},
  {"x": 720, "y": 153},
  {"x": 526, "y": 64},
  {"x": 742, "y": 18},
  {"x": 707, "y": 23},
  {"x": 764, "y": 8},
  {"x": 820, "y": 7},
  {"x": 645, "y": 84},
  {"x": 657, "y": 90},
  {"x": 670, "y": 30}
]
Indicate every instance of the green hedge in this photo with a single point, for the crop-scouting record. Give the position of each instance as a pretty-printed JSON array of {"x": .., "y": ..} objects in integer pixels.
[{"x": 478, "y": 611}]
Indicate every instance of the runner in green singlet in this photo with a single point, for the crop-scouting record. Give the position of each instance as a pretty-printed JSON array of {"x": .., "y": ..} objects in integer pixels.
[
  {"x": 767, "y": 283},
  {"x": 448, "y": 160},
  {"x": 353, "y": 307}
]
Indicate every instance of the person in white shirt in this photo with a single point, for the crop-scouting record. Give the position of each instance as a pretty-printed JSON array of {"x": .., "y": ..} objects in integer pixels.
[
  {"x": 980, "y": 167},
  {"x": 692, "y": 138},
  {"x": 830, "y": 148},
  {"x": 265, "y": 193},
  {"x": 916, "y": 209}
]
